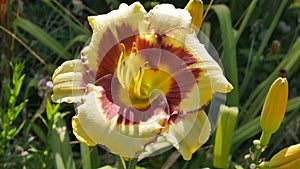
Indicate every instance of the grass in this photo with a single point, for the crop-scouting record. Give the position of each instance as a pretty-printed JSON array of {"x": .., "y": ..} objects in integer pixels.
[{"x": 37, "y": 36}]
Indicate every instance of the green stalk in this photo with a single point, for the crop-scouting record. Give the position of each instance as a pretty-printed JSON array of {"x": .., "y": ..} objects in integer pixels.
[
  {"x": 229, "y": 52},
  {"x": 245, "y": 20},
  {"x": 121, "y": 162},
  {"x": 132, "y": 164},
  {"x": 85, "y": 156}
]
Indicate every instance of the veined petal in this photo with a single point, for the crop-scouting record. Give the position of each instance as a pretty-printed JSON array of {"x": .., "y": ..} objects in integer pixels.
[
  {"x": 124, "y": 26},
  {"x": 188, "y": 133},
  {"x": 186, "y": 38},
  {"x": 214, "y": 72},
  {"x": 208, "y": 76},
  {"x": 106, "y": 124},
  {"x": 165, "y": 16},
  {"x": 69, "y": 82}
]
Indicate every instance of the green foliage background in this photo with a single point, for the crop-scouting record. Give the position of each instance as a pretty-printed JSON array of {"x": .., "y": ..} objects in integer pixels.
[{"x": 38, "y": 35}]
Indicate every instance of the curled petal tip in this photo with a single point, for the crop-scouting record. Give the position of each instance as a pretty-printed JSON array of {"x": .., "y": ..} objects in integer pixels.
[{"x": 229, "y": 88}]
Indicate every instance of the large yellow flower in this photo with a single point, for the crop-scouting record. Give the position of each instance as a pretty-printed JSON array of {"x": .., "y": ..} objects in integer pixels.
[{"x": 142, "y": 83}]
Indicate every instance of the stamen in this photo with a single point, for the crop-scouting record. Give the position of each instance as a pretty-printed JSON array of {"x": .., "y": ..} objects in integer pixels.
[
  {"x": 137, "y": 82},
  {"x": 134, "y": 48},
  {"x": 120, "y": 66},
  {"x": 125, "y": 68}
]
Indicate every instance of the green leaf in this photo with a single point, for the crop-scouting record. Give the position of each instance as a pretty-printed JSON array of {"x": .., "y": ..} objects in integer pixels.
[
  {"x": 79, "y": 38},
  {"x": 68, "y": 20},
  {"x": 17, "y": 85},
  {"x": 229, "y": 52},
  {"x": 254, "y": 102},
  {"x": 107, "y": 167},
  {"x": 245, "y": 132},
  {"x": 60, "y": 144},
  {"x": 85, "y": 156},
  {"x": 42, "y": 36},
  {"x": 245, "y": 20},
  {"x": 293, "y": 104},
  {"x": 51, "y": 110},
  {"x": 262, "y": 46},
  {"x": 40, "y": 133},
  {"x": 19, "y": 129},
  {"x": 11, "y": 132},
  {"x": 18, "y": 109}
]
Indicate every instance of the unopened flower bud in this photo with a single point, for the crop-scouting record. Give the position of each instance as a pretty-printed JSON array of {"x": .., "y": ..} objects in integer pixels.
[
  {"x": 286, "y": 158},
  {"x": 273, "y": 109}
]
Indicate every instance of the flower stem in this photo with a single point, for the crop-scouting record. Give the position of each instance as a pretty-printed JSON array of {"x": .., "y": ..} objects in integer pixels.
[
  {"x": 132, "y": 164},
  {"x": 121, "y": 162},
  {"x": 257, "y": 153}
]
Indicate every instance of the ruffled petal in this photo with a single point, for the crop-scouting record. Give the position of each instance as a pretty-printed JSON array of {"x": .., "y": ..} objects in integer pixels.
[
  {"x": 104, "y": 123},
  {"x": 124, "y": 26},
  {"x": 80, "y": 133},
  {"x": 213, "y": 71},
  {"x": 204, "y": 73},
  {"x": 188, "y": 133},
  {"x": 165, "y": 16},
  {"x": 69, "y": 82}
]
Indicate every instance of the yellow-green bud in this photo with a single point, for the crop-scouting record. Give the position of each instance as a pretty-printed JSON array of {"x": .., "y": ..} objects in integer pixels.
[
  {"x": 273, "y": 109},
  {"x": 195, "y": 8}
]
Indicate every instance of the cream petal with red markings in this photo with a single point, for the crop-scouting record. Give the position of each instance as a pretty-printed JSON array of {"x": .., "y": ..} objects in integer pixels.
[
  {"x": 207, "y": 72},
  {"x": 69, "y": 81},
  {"x": 109, "y": 30},
  {"x": 165, "y": 16},
  {"x": 188, "y": 133},
  {"x": 126, "y": 140},
  {"x": 214, "y": 72}
]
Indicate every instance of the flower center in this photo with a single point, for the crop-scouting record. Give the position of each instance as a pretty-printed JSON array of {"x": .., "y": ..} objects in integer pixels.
[{"x": 143, "y": 83}]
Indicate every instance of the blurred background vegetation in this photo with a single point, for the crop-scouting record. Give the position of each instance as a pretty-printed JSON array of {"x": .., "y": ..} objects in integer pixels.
[{"x": 256, "y": 40}]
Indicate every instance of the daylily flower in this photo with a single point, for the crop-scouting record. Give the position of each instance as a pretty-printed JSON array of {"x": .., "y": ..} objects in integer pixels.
[
  {"x": 286, "y": 158},
  {"x": 141, "y": 83}
]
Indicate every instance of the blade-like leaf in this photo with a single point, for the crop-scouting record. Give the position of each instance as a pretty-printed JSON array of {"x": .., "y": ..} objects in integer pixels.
[
  {"x": 229, "y": 51},
  {"x": 42, "y": 36}
]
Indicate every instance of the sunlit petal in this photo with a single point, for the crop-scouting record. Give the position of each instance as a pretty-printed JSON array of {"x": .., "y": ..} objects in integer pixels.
[
  {"x": 80, "y": 133},
  {"x": 109, "y": 30},
  {"x": 189, "y": 133},
  {"x": 104, "y": 124},
  {"x": 175, "y": 17},
  {"x": 201, "y": 73},
  {"x": 69, "y": 82}
]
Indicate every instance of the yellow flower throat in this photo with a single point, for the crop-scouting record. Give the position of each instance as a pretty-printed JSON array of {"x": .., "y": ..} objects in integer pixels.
[{"x": 143, "y": 83}]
